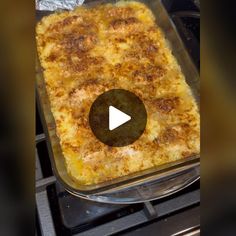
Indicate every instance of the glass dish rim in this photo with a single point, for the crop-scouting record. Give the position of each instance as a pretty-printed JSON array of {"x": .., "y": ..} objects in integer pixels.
[{"x": 118, "y": 183}]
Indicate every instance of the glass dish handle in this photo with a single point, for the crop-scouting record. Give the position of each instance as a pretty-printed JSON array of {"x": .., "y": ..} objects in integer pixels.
[{"x": 151, "y": 190}]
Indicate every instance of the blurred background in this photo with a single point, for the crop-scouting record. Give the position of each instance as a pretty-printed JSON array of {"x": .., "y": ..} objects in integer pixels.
[{"x": 218, "y": 116}]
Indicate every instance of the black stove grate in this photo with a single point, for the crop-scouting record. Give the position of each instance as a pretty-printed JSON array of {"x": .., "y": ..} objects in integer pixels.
[
  {"x": 60, "y": 213},
  {"x": 79, "y": 215}
]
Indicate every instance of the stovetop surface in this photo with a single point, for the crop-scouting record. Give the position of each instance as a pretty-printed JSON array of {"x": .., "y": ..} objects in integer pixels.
[
  {"x": 78, "y": 215},
  {"x": 60, "y": 213}
]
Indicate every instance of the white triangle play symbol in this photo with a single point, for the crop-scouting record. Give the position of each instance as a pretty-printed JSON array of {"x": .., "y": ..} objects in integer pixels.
[{"x": 117, "y": 118}]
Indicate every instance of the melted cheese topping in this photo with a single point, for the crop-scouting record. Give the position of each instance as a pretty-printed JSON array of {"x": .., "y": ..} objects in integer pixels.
[{"x": 88, "y": 51}]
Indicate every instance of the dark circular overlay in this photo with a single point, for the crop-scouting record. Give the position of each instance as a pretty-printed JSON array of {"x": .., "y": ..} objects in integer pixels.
[{"x": 126, "y": 102}]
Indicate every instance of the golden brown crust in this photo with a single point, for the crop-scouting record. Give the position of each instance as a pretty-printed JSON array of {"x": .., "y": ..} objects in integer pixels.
[
  {"x": 88, "y": 51},
  {"x": 166, "y": 105},
  {"x": 124, "y": 24}
]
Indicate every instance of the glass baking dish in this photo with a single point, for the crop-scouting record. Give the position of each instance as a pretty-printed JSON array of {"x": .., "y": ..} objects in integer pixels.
[{"x": 142, "y": 186}]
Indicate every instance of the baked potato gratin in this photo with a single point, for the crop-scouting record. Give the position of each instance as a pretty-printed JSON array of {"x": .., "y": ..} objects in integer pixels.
[{"x": 90, "y": 50}]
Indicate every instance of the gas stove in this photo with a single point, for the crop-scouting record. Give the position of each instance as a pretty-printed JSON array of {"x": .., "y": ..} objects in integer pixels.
[{"x": 60, "y": 213}]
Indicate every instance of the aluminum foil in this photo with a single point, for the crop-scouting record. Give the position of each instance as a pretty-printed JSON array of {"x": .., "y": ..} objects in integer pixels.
[{"x": 52, "y": 5}]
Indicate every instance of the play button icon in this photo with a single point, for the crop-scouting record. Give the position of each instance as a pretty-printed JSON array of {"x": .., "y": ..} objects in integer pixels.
[{"x": 117, "y": 117}]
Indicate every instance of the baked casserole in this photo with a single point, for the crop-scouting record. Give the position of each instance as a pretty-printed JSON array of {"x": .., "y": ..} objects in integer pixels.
[{"x": 90, "y": 50}]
